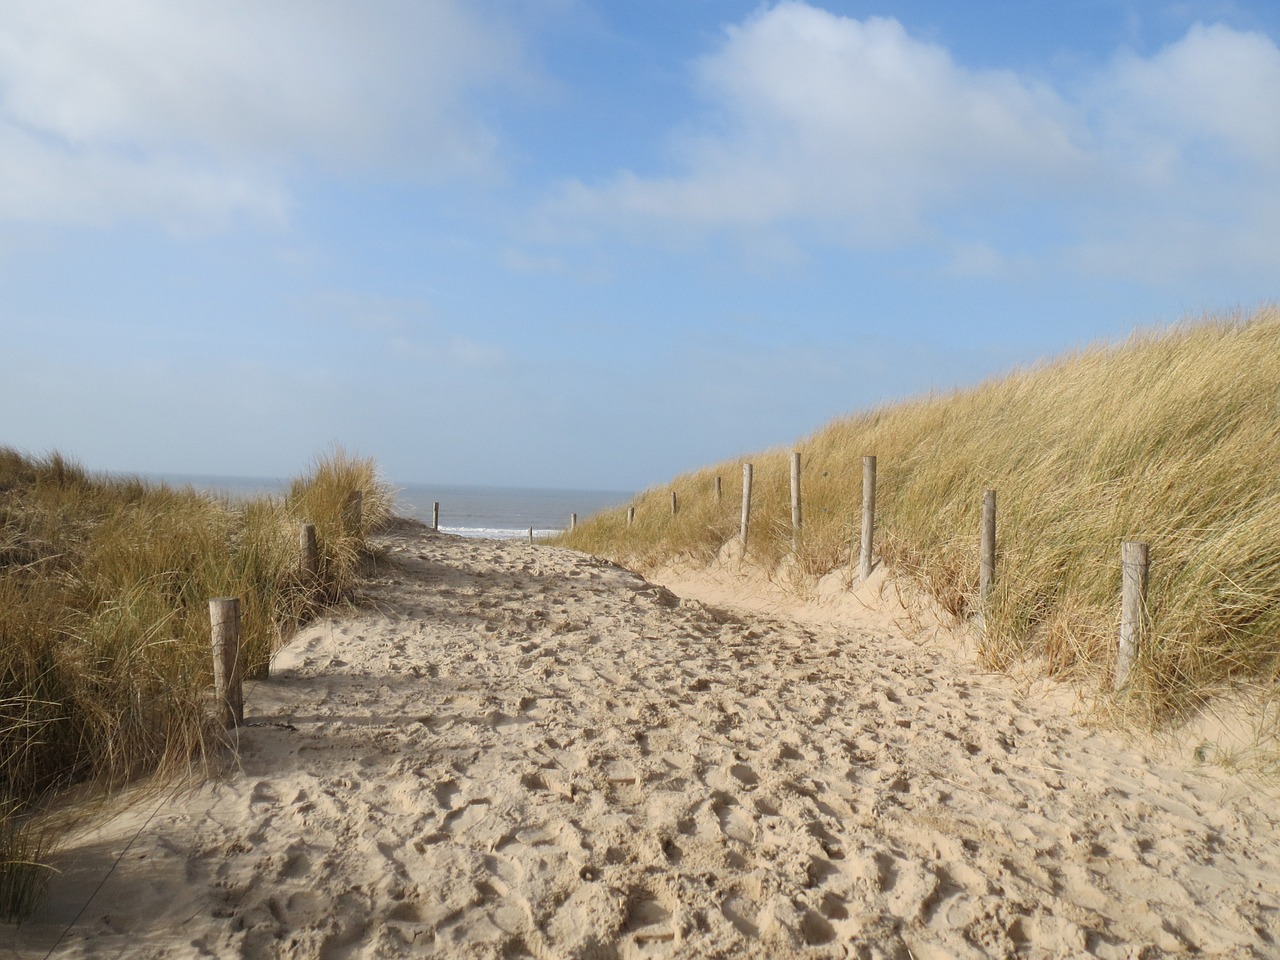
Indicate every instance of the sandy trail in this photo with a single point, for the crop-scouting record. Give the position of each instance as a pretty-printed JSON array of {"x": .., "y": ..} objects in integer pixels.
[{"x": 516, "y": 751}]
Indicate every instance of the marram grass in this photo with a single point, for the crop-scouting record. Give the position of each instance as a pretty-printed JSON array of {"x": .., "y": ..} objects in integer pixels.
[
  {"x": 105, "y": 661},
  {"x": 1171, "y": 438}
]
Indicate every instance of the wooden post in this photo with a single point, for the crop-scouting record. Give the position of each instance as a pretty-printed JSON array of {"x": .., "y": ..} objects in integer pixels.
[
  {"x": 224, "y": 617},
  {"x": 795, "y": 501},
  {"x": 531, "y": 536},
  {"x": 1134, "y": 561},
  {"x": 631, "y": 515},
  {"x": 868, "y": 516},
  {"x": 435, "y": 515},
  {"x": 674, "y": 507},
  {"x": 309, "y": 555},
  {"x": 987, "y": 560},
  {"x": 746, "y": 504},
  {"x": 719, "y": 492},
  {"x": 353, "y": 513},
  {"x": 573, "y": 521}
]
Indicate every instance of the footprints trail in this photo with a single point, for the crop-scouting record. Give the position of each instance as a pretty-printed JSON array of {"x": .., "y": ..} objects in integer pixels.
[{"x": 512, "y": 751}]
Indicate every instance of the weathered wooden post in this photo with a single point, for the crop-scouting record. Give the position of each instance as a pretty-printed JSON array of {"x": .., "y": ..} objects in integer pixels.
[
  {"x": 224, "y": 618},
  {"x": 573, "y": 522},
  {"x": 674, "y": 507},
  {"x": 309, "y": 555},
  {"x": 1134, "y": 561},
  {"x": 531, "y": 536},
  {"x": 435, "y": 515},
  {"x": 353, "y": 513},
  {"x": 795, "y": 501},
  {"x": 719, "y": 492},
  {"x": 746, "y": 504},
  {"x": 987, "y": 560},
  {"x": 631, "y": 515},
  {"x": 868, "y": 517}
]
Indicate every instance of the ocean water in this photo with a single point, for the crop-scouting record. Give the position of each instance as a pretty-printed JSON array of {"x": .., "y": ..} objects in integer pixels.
[
  {"x": 503, "y": 512},
  {"x": 496, "y": 512},
  {"x": 234, "y": 488}
]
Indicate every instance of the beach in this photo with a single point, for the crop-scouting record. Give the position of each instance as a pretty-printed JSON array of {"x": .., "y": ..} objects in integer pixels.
[{"x": 512, "y": 750}]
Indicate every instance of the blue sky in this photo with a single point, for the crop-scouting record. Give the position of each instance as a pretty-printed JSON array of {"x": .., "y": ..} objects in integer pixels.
[{"x": 586, "y": 244}]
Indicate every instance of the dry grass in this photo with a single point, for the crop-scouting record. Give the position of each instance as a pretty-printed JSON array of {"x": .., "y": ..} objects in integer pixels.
[
  {"x": 1170, "y": 437},
  {"x": 105, "y": 667}
]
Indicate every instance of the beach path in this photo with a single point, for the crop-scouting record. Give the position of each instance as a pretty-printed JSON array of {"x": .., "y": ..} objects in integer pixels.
[{"x": 510, "y": 750}]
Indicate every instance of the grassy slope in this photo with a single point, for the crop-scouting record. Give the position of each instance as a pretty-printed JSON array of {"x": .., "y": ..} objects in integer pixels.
[
  {"x": 105, "y": 666},
  {"x": 1172, "y": 438}
]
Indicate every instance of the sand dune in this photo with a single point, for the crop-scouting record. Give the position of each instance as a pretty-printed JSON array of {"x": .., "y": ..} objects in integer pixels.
[{"x": 514, "y": 751}]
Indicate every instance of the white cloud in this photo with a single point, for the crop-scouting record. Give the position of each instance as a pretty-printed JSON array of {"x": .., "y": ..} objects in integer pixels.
[
  {"x": 184, "y": 110},
  {"x": 1189, "y": 148},
  {"x": 42, "y": 182},
  {"x": 827, "y": 126},
  {"x": 1215, "y": 89},
  {"x": 832, "y": 119}
]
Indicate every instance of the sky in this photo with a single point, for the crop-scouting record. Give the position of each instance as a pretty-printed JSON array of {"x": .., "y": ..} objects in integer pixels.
[{"x": 588, "y": 244}]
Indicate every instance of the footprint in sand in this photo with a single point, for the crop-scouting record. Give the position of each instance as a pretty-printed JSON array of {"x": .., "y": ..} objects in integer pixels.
[
  {"x": 648, "y": 921},
  {"x": 815, "y": 929},
  {"x": 461, "y": 820},
  {"x": 733, "y": 822},
  {"x": 741, "y": 912},
  {"x": 444, "y": 792}
]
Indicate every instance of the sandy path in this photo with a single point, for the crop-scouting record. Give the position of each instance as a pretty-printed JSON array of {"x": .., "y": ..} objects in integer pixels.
[{"x": 515, "y": 751}]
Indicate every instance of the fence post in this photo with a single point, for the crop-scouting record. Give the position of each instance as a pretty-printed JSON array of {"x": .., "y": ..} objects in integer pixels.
[
  {"x": 435, "y": 515},
  {"x": 309, "y": 555},
  {"x": 868, "y": 517},
  {"x": 573, "y": 522},
  {"x": 224, "y": 618},
  {"x": 987, "y": 560},
  {"x": 746, "y": 504},
  {"x": 795, "y": 501},
  {"x": 719, "y": 492},
  {"x": 531, "y": 536},
  {"x": 674, "y": 508},
  {"x": 1134, "y": 560},
  {"x": 631, "y": 515}
]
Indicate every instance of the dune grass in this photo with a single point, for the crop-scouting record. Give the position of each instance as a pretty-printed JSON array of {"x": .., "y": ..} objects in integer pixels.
[
  {"x": 1172, "y": 438},
  {"x": 105, "y": 666}
]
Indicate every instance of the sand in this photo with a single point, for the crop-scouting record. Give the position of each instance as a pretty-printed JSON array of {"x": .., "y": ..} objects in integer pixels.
[{"x": 510, "y": 751}]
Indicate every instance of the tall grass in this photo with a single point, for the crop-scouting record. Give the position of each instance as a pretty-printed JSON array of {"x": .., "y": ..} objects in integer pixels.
[
  {"x": 1171, "y": 437},
  {"x": 105, "y": 666}
]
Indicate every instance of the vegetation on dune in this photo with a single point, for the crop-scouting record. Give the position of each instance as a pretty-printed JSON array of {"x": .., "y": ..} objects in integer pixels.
[
  {"x": 1171, "y": 438},
  {"x": 105, "y": 662}
]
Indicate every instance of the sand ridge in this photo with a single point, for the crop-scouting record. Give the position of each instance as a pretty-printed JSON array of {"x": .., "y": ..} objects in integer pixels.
[{"x": 519, "y": 751}]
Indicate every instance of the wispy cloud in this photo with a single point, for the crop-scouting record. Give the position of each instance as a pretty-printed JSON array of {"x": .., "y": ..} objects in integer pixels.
[
  {"x": 875, "y": 138},
  {"x": 187, "y": 112},
  {"x": 826, "y": 118}
]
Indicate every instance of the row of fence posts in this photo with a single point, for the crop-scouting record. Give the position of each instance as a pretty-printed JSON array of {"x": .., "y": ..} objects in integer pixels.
[
  {"x": 225, "y": 613},
  {"x": 1135, "y": 555}
]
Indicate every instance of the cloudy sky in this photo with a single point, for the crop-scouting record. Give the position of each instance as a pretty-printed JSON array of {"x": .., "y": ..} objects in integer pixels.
[{"x": 581, "y": 243}]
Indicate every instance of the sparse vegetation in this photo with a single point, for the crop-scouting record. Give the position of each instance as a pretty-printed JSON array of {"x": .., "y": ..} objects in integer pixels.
[
  {"x": 1171, "y": 437},
  {"x": 105, "y": 667}
]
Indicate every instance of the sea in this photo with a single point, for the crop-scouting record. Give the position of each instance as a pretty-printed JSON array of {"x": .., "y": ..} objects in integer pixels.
[{"x": 501, "y": 513}]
